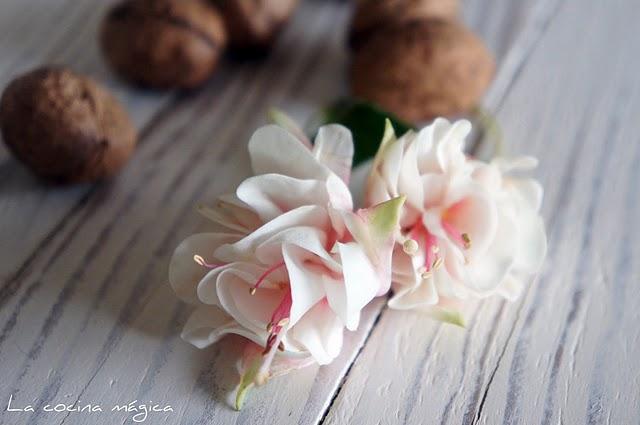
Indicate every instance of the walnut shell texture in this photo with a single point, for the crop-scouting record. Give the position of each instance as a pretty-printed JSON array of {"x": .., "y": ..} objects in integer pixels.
[
  {"x": 65, "y": 127},
  {"x": 163, "y": 43},
  {"x": 423, "y": 69},
  {"x": 373, "y": 15},
  {"x": 254, "y": 24}
]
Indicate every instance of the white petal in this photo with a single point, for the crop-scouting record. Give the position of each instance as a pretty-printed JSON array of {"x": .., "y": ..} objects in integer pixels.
[
  {"x": 244, "y": 249},
  {"x": 531, "y": 242},
  {"x": 361, "y": 283},
  {"x": 521, "y": 163},
  {"x": 184, "y": 272},
  {"x": 208, "y": 324},
  {"x": 529, "y": 191},
  {"x": 409, "y": 182},
  {"x": 339, "y": 193},
  {"x": 320, "y": 332},
  {"x": 473, "y": 212},
  {"x": 232, "y": 213},
  {"x": 489, "y": 270},
  {"x": 376, "y": 190},
  {"x": 271, "y": 195},
  {"x": 269, "y": 251},
  {"x": 420, "y": 296},
  {"x": 434, "y": 187},
  {"x": 450, "y": 147},
  {"x": 274, "y": 150},
  {"x": 306, "y": 282},
  {"x": 391, "y": 165},
  {"x": 251, "y": 311},
  {"x": 333, "y": 147},
  {"x": 488, "y": 176}
]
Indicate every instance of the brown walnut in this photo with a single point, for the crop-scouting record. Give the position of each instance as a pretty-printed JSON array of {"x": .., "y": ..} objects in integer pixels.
[
  {"x": 373, "y": 15},
  {"x": 163, "y": 43},
  {"x": 422, "y": 69},
  {"x": 64, "y": 126},
  {"x": 254, "y": 24}
]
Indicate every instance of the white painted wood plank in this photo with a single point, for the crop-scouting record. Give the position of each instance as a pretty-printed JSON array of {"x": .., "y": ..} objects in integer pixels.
[
  {"x": 567, "y": 351},
  {"x": 35, "y": 33},
  {"x": 90, "y": 317}
]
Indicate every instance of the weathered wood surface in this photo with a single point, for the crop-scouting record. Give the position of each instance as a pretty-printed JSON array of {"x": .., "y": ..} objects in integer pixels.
[
  {"x": 567, "y": 352},
  {"x": 86, "y": 314}
]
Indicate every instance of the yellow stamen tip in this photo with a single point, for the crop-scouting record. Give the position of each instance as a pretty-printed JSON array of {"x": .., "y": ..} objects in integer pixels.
[
  {"x": 252, "y": 291},
  {"x": 437, "y": 263},
  {"x": 269, "y": 327},
  {"x": 467, "y": 240},
  {"x": 283, "y": 322},
  {"x": 198, "y": 259}
]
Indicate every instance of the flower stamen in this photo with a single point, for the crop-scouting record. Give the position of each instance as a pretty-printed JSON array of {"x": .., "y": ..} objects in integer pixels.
[
  {"x": 201, "y": 261},
  {"x": 462, "y": 239},
  {"x": 410, "y": 247},
  {"x": 264, "y": 275}
]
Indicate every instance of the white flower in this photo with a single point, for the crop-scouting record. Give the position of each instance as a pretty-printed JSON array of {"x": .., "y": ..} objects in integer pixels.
[
  {"x": 296, "y": 264},
  {"x": 469, "y": 229}
]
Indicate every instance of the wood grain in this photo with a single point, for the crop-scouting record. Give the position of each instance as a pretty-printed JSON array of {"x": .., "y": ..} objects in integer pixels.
[
  {"x": 86, "y": 314},
  {"x": 566, "y": 352},
  {"x": 34, "y": 33},
  {"x": 91, "y": 317}
]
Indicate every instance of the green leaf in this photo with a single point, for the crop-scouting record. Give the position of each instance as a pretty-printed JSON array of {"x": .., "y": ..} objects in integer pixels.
[{"x": 366, "y": 122}]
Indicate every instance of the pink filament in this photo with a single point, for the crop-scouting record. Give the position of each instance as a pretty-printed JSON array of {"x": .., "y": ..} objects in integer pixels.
[
  {"x": 418, "y": 232},
  {"x": 454, "y": 234},
  {"x": 264, "y": 275},
  {"x": 281, "y": 313}
]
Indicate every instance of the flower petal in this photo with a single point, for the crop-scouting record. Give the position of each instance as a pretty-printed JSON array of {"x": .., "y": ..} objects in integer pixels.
[
  {"x": 529, "y": 191},
  {"x": 184, "y": 272},
  {"x": 283, "y": 120},
  {"x": 306, "y": 283},
  {"x": 232, "y": 213},
  {"x": 333, "y": 147},
  {"x": 271, "y": 195},
  {"x": 245, "y": 249},
  {"x": 408, "y": 298},
  {"x": 362, "y": 283},
  {"x": 320, "y": 332},
  {"x": 488, "y": 271},
  {"x": 251, "y": 311},
  {"x": 531, "y": 242},
  {"x": 275, "y": 150},
  {"x": 208, "y": 324},
  {"x": 375, "y": 229}
]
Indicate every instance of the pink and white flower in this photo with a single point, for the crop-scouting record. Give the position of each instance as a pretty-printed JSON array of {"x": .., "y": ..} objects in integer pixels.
[
  {"x": 295, "y": 265},
  {"x": 469, "y": 228}
]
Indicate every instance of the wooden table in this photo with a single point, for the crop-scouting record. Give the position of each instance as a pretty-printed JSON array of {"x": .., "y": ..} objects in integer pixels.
[{"x": 86, "y": 313}]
